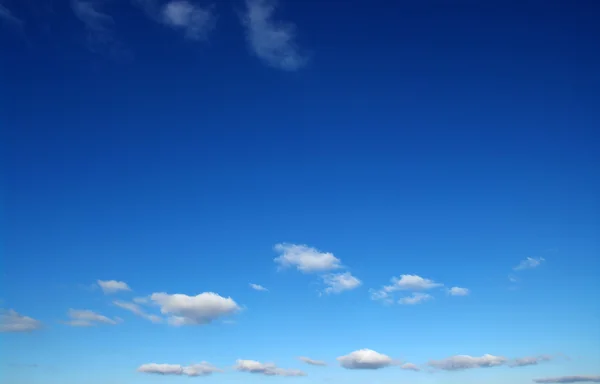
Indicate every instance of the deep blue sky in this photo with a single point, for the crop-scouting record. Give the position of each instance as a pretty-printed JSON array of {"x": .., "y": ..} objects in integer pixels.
[{"x": 446, "y": 139}]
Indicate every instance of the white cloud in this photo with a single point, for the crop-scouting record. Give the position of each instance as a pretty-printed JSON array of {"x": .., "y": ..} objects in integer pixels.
[
  {"x": 87, "y": 318},
  {"x": 7, "y": 16},
  {"x": 512, "y": 278},
  {"x": 458, "y": 291},
  {"x": 136, "y": 309},
  {"x": 339, "y": 282},
  {"x": 306, "y": 259},
  {"x": 312, "y": 362},
  {"x": 200, "y": 369},
  {"x": 410, "y": 367},
  {"x": 268, "y": 369},
  {"x": 141, "y": 300},
  {"x": 525, "y": 361},
  {"x": 529, "y": 263},
  {"x": 365, "y": 359},
  {"x": 271, "y": 41},
  {"x": 113, "y": 286},
  {"x": 404, "y": 283},
  {"x": 258, "y": 287},
  {"x": 569, "y": 379},
  {"x": 195, "y": 21},
  {"x": 415, "y": 298},
  {"x": 12, "y": 321},
  {"x": 194, "y": 310},
  {"x": 461, "y": 362}
]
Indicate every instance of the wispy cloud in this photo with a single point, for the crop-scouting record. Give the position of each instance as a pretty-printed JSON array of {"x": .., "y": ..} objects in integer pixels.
[
  {"x": 113, "y": 286},
  {"x": 458, "y": 291},
  {"x": 415, "y": 298},
  {"x": 462, "y": 362},
  {"x": 569, "y": 379},
  {"x": 340, "y": 282},
  {"x": 271, "y": 41},
  {"x": 201, "y": 369},
  {"x": 310, "y": 361},
  {"x": 405, "y": 283},
  {"x": 258, "y": 287},
  {"x": 12, "y": 321},
  {"x": 137, "y": 310},
  {"x": 101, "y": 37},
  {"x": 410, "y": 367},
  {"x": 7, "y": 16},
  {"x": 529, "y": 263},
  {"x": 267, "y": 369},
  {"x": 87, "y": 318},
  {"x": 525, "y": 361}
]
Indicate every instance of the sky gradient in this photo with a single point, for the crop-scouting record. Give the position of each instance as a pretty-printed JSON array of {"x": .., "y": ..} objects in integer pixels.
[{"x": 299, "y": 191}]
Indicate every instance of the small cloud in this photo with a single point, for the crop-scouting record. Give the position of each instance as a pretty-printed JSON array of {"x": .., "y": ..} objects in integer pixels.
[
  {"x": 194, "y": 310},
  {"x": 137, "y": 310},
  {"x": 462, "y": 362},
  {"x": 258, "y": 287},
  {"x": 200, "y": 369},
  {"x": 529, "y": 263},
  {"x": 87, "y": 318},
  {"x": 340, "y": 282},
  {"x": 415, "y": 298},
  {"x": 525, "y": 361},
  {"x": 12, "y": 321},
  {"x": 312, "y": 362},
  {"x": 404, "y": 283},
  {"x": 458, "y": 291},
  {"x": 271, "y": 41},
  {"x": 410, "y": 367},
  {"x": 196, "y": 22},
  {"x": 268, "y": 369},
  {"x": 305, "y": 259},
  {"x": 113, "y": 286},
  {"x": 365, "y": 359},
  {"x": 569, "y": 379},
  {"x": 99, "y": 25},
  {"x": 512, "y": 278}
]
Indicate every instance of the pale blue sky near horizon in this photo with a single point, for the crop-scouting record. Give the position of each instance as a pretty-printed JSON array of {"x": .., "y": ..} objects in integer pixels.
[{"x": 172, "y": 145}]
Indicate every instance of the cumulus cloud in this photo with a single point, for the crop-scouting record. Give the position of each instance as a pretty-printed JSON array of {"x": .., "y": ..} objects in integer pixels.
[
  {"x": 258, "y": 287},
  {"x": 462, "y": 362},
  {"x": 136, "y": 309},
  {"x": 194, "y": 310},
  {"x": 529, "y": 263},
  {"x": 201, "y": 369},
  {"x": 306, "y": 259},
  {"x": 87, "y": 318},
  {"x": 312, "y": 362},
  {"x": 569, "y": 379},
  {"x": 271, "y": 41},
  {"x": 339, "y": 282},
  {"x": 415, "y": 298},
  {"x": 410, "y": 367},
  {"x": 458, "y": 291},
  {"x": 113, "y": 286},
  {"x": 268, "y": 369},
  {"x": 196, "y": 22},
  {"x": 12, "y": 321},
  {"x": 405, "y": 283},
  {"x": 525, "y": 361},
  {"x": 365, "y": 359}
]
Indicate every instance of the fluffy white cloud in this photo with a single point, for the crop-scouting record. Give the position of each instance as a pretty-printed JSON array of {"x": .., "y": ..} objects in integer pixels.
[
  {"x": 200, "y": 369},
  {"x": 87, "y": 318},
  {"x": 306, "y": 259},
  {"x": 268, "y": 369},
  {"x": 12, "y": 321},
  {"x": 410, "y": 367},
  {"x": 136, "y": 309},
  {"x": 415, "y": 298},
  {"x": 113, "y": 286},
  {"x": 258, "y": 287},
  {"x": 196, "y": 22},
  {"x": 405, "y": 283},
  {"x": 570, "y": 379},
  {"x": 461, "y": 362},
  {"x": 194, "y": 310},
  {"x": 458, "y": 291},
  {"x": 529, "y": 263},
  {"x": 271, "y": 41},
  {"x": 365, "y": 359},
  {"x": 312, "y": 362},
  {"x": 339, "y": 282},
  {"x": 525, "y": 361}
]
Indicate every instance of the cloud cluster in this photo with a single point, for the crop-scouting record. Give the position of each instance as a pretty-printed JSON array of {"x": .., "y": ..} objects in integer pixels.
[
  {"x": 414, "y": 283},
  {"x": 268, "y": 369},
  {"x": 200, "y": 369},
  {"x": 194, "y": 310},
  {"x": 113, "y": 286},
  {"x": 272, "y": 42},
  {"x": 12, "y": 321},
  {"x": 365, "y": 359},
  {"x": 87, "y": 318},
  {"x": 137, "y": 310},
  {"x": 570, "y": 379}
]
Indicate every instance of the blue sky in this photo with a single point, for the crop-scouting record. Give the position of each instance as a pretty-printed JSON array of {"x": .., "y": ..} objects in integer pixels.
[{"x": 412, "y": 188}]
